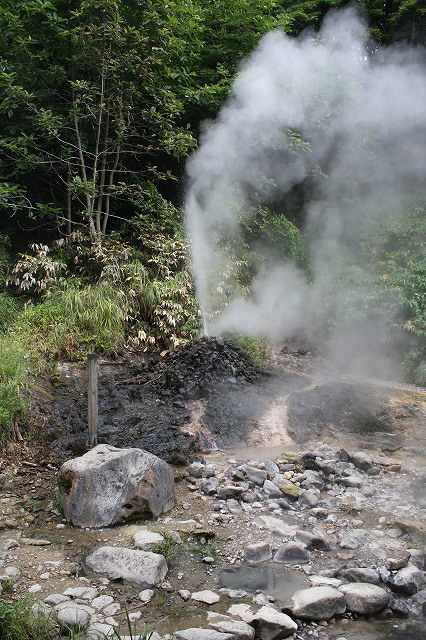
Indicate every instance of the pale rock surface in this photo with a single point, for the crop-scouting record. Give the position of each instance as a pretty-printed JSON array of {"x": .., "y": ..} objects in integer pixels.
[
  {"x": 206, "y": 596},
  {"x": 243, "y": 611},
  {"x": 271, "y": 624},
  {"x": 73, "y": 617},
  {"x": 85, "y": 593},
  {"x": 107, "y": 485},
  {"x": 202, "y": 634},
  {"x": 145, "y": 540},
  {"x": 142, "y": 569},
  {"x": 364, "y": 597},
  {"x": 241, "y": 630},
  {"x": 146, "y": 595},
  {"x": 318, "y": 603}
]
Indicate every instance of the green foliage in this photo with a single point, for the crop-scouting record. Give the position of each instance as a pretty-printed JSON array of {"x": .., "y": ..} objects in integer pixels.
[
  {"x": 14, "y": 372},
  {"x": 8, "y": 310},
  {"x": 21, "y": 620},
  {"x": 253, "y": 347},
  {"x": 74, "y": 322}
]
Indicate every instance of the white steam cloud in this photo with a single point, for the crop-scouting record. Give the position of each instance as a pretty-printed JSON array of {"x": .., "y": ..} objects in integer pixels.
[{"x": 362, "y": 109}]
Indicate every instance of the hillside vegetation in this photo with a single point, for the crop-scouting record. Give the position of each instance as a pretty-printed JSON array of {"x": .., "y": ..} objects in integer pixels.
[{"x": 101, "y": 103}]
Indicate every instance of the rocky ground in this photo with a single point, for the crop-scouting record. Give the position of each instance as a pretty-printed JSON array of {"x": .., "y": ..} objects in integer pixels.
[{"x": 251, "y": 526}]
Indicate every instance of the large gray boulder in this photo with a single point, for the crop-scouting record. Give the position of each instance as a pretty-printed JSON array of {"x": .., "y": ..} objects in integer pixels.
[
  {"x": 142, "y": 569},
  {"x": 364, "y": 597},
  {"x": 108, "y": 485},
  {"x": 318, "y": 603}
]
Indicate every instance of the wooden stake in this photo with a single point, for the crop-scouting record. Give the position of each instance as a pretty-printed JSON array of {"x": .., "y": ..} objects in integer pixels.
[{"x": 92, "y": 368}]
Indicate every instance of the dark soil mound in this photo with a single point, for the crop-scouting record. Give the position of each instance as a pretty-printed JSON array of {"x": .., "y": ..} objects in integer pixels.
[{"x": 196, "y": 368}]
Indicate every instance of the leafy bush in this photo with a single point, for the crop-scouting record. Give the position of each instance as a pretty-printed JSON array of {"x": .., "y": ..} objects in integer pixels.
[{"x": 73, "y": 322}]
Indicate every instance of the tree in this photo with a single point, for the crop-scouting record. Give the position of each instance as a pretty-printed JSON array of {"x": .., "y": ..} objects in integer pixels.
[{"x": 88, "y": 110}]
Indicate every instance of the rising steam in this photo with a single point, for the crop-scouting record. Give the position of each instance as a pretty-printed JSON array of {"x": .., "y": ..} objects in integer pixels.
[{"x": 333, "y": 115}]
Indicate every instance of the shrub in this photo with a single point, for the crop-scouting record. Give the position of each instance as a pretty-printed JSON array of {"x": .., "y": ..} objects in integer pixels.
[
  {"x": 253, "y": 347},
  {"x": 8, "y": 310},
  {"x": 14, "y": 374}
]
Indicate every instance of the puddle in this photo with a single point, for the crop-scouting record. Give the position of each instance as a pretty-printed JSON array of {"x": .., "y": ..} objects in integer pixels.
[
  {"x": 259, "y": 453},
  {"x": 274, "y": 581},
  {"x": 380, "y": 630}
]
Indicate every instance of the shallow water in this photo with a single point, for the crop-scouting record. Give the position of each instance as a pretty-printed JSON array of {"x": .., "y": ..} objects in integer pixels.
[{"x": 279, "y": 582}]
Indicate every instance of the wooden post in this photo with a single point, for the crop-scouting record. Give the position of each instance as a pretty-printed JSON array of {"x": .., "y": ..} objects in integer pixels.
[{"x": 92, "y": 369}]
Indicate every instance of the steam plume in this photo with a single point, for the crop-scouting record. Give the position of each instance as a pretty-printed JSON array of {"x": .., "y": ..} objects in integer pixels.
[{"x": 362, "y": 111}]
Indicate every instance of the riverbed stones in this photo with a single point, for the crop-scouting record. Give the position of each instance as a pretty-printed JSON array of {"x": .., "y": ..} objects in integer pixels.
[
  {"x": 255, "y": 475},
  {"x": 312, "y": 540},
  {"x": 271, "y": 624},
  {"x": 271, "y": 489},
  {"x": 255, "y": 553},
  {"x": 292, "y": 553},
  {"x": 309, "y": 498},
  {"x": 107, "y": 485},
  {"x": 318, "y": 603},
  {"x": 142, "y": 569},
  {"x": 365, "y": 598}
]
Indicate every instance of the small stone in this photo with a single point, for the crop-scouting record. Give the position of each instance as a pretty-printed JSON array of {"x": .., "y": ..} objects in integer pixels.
[
  {"x": 242, "y": 611},
  {"x": 292, "y": 553},
  {"x": 74, "y": 617},
  {"x": 408, "y": 580},
  {"x": 312, "y": 541},
  {"x": 10, "y": 543},
  {"x": 102, "y": 601},
  {"x": 36, "y": 542},
  {"x": 289, "y": 490},
  {"x": 361, "y": 574},
  {"x": 196, "y": 469},
  {"x": 258, "y": 476},
  {"x": 35, "y": 588},
  {"x": 260, "y": 599},
  {"x": 45, "y": 576},
  {"x": 146, "y": 540},
  {"x": 56, "y": 598},
  {"x": 86, "y": 593},
  {"x": 399, "y": 608},
  {"x": 205, "y": 596},
  {"x": 239, "y": 629},
  {"x": 256, "y": 553},
  {"x": 236, "y": 594},
  {"x": 184, "y": 594},
  {"x": 112, "y": 609},
  {"x": 146, "y": 595},
  {"x": 271, "y": 489},
  {"x": 309, "y": 498},
  {"x": 209, "y": 486},
  {"x": 208, "y": 560},
  {"x": 271, "y": 624},
  {"x": 202, "y": 634},
  {"x": 393, "y": 564}
]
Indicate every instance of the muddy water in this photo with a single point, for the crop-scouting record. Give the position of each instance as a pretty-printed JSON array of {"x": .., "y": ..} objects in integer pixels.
[{"x": 379, "y": 630}]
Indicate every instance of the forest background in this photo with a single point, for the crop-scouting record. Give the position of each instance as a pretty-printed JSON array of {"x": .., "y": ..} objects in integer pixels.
[{"x": 101, "y": 102}]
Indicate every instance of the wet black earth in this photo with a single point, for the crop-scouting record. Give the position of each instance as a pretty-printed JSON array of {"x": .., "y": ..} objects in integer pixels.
[{"x": 147, "y": 406}]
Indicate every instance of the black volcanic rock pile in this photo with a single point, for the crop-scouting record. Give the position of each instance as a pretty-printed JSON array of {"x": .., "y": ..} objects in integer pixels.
[{"x": 194, "y": 369}]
